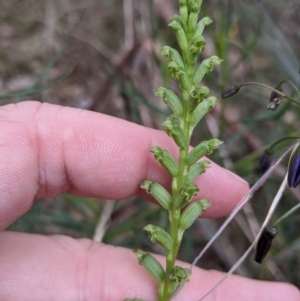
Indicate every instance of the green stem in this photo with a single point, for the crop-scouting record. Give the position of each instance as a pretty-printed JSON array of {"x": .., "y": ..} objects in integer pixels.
[
  {"x": 272, "y": 89},
  {"x": 174, "y": 214},
  {"x": 270, "y": 148},
  {"x": 289, "y": 82},
  {"x": 292, "y": 210}
]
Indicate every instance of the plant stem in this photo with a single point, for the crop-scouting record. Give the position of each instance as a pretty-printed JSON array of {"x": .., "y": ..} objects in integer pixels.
[
  {"x": 177, "y": 183},
  {"x": 281, "y": 140},
  {"x": 174, "y": 217},
  {"x": 272, "y": 89}
]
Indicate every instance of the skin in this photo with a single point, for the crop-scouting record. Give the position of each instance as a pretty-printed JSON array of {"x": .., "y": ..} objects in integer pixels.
[{"x": 46, "y": 150}]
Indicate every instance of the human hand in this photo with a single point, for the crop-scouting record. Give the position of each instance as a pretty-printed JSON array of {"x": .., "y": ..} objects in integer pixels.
[{"x": 46, "y": 150}]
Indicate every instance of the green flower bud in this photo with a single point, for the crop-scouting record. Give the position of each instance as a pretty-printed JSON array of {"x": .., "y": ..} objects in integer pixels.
[
  {"x": 205, "y": 204},
  {"x": 214, "y": 144},
  {"x": 185, "y": 195},
  {"x": 196, "y": 170},
  {"x": 201, "y": 109},
  {"x": 193, "y": 18},
  {"x": 151, "y": 264},
  {"x": 199, "y": 94},
  {"x": 184, "y": 82},
  {"x": 174, "y": 129},
  {"x": 206, "y": 66},
  {"x": 197, "y": 45},
  {"x": 170, "y": 98},
  {"x": 190, "y": 214},
  {"x": 172, "y": 54},
  {"x": 165, "y": 159},
  {"x": 197, "y": 153},
  {"x": 200, "y": 26},
  {"x": 158, "y": 192},
  {"x": 175, "y": 70},
  {"x": 160, "y": 236},
  {"x": 202, "y": 149},
  {"x": 195, "y": 3},
  {"x": 175, "y": 23},
  {"x": 183, "y": 11},
  {"x": 177, "y": 19},
  {"x": 180, "y": 33},
  {"x": 182, "y": 40},
  {"x": 179, "y": 275}
]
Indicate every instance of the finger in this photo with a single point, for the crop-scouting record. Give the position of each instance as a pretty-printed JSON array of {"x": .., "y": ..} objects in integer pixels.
[
  {"x": 46, "y": 150},
  {"x": 44, "y": 268}
]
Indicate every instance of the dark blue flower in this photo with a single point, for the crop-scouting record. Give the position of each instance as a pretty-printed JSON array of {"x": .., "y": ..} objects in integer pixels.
[
  {"x": 274, "y": 98},
  {"x": 265, "y": 161},
  {"x": 294, "y": 172},
  {"x": 264, "y": 243}
]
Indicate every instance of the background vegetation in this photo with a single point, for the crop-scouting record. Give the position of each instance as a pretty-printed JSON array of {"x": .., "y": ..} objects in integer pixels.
[{"x": 114, "y": 47}]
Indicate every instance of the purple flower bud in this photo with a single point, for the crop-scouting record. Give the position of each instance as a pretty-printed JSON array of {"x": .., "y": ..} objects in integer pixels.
[
  {"x": 265, "y": 161},
  {"x": 294, "y": 172},
  {"x": 230, "y": 91},
  {"x": 264, "y": 243},
  {"x": 273, "y": 96}
]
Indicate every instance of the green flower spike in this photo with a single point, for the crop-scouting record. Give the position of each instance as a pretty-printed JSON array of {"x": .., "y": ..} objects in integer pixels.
[{"x": 188, "y": 106}]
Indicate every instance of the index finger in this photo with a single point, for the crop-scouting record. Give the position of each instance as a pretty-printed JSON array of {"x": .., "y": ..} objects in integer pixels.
[{"x": 46, "y": 150}]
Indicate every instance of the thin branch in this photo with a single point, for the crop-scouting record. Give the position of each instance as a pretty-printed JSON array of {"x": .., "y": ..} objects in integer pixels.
[{"x": 103, "y": 221}]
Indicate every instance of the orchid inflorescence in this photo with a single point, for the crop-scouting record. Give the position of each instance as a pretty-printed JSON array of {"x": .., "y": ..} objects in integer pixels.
[{"x": 187, "y": 111}]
